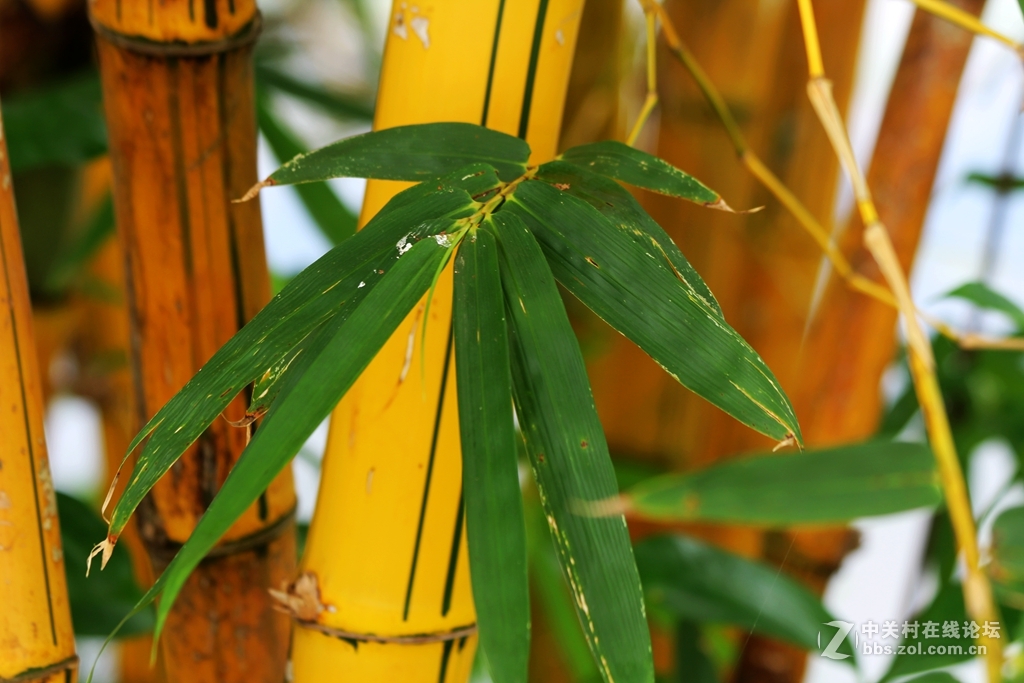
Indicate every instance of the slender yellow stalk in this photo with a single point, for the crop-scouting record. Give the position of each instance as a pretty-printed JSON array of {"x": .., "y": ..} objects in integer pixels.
[
  {"x": 386, "y": 559},
  {"x": 977, "y": 588},
  {"x": 785, "y": 196},
  {"x": 37, "y": 643},
  {"x": 966, "y": 21},
  {"x": 815, "y": 65},
  {"x": 651, "y": 99},
  {"x": 978, "y": 596}
]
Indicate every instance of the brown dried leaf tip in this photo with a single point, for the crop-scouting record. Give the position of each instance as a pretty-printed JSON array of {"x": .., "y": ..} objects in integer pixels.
[
  {"x": 720, "y": 205},
  {"x": 254, "y": 190},
  {"x": 249, "y": 417},
  {"x": 790, "y": 440},
  {"x": 104, "y": 548},
  {"x": 299, "y": 599}
]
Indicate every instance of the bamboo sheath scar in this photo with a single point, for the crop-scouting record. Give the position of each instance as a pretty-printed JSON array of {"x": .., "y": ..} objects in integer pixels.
[
  {"x": 387, "y": 546},
  {"x": 178, "y": 93},
  {"x": 37, "y": 643}
]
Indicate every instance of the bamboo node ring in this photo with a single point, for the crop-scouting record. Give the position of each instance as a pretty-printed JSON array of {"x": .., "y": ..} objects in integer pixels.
[{"x": 246, "y": 36}]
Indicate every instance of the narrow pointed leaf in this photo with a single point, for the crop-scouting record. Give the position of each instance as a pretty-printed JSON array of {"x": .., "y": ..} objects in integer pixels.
[
  {"x": 934, "y": 677},
  {"x": 815, "y": 487},
  {"x": 333, "y": 286},
  {"x": 1002, "y": 183},
  {"x": 339, "y": 104},
  {"x": 983, "y": 296},
  {"x": 490, "y": 470},
  {"x": 1007, "y": 567},
  {"x": 417, "y": 152},
  {"x": 619, "y": 207},
  {"x": 632, "y": 287},
  {"x": 312, "y": 387},
  {"x": 570, "y": 460},
  {"x": 335, "y": 220},
  {"x": 640, "y": 169},
  {"x": 694, "y": 581},
  {"x": 553, "y": 596}
]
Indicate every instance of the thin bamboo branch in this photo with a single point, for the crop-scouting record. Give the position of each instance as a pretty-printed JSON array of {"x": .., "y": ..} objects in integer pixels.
[
  {"x": 651, "y": 100},
  {"x": 977, "y": 589},
  {"x": 817, "y": 232},
  {"x": 966, "y": 21}
]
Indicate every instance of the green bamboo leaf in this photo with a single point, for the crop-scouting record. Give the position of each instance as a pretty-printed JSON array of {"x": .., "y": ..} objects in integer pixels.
[
  {"x": 268, "y": 386},
  {"x": 934, "y": 677},
  {"x": 331, "y": 287},
  {"x": 619, "y": 207},
  {"x": 1003, "y": 183},
  {"x": 816, "y": 487},
  {"x": 983, "y": 296},
  {"x": 59, "y": 125},
  {"x": 553, "y": 595},
  {"x": 335, "y": 220},
  {"x": 100, "y": 601},
  {"x": 494, "y": 506},
  {"x": 692, "y": 664},
  {"x": 338, "y": 104},
  {"x": 633, "y": 288},
  {"x": 694, "y": 581},
  {"x": 415, "y": 153},
  {"x": 312, "y": 387},
  {"x": 640, "y": 169},
  {"x": 1007, "y": 566},
  {"x": 570, "y": 460}
]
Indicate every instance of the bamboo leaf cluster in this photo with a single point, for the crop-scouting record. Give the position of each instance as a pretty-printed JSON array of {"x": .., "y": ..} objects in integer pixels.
[{"x": 516, "y": 232}]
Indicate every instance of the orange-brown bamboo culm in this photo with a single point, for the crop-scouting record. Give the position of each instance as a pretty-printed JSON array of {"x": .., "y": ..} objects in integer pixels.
[
  {"x": 37, "y": 644},
  {"x": 178, "y": 94}
]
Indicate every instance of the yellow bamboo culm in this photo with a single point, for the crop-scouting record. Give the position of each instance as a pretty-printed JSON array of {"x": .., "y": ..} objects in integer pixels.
[
  {"x": 386, "y": 558},
  {"x": 37, "y": 643}
]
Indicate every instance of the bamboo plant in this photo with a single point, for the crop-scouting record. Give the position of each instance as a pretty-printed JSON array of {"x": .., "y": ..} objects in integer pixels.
[
  {"x": 371, "y": 321},
  {"x": 325, "y": 327},
  {"x": 36, "y": 639}
]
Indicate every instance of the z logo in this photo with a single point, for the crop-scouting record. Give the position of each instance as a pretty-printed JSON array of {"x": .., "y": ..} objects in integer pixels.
[{"x": 832, "y": 650}]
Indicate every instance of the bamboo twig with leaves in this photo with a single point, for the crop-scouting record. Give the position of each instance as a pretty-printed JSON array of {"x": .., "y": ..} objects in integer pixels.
[{"x": 559, "y": 220}]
